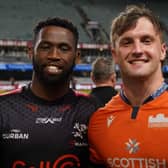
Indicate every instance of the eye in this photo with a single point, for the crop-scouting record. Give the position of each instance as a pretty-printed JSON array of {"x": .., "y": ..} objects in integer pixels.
[
  {"x": 126, "y": 42},
  {"x": 44, "y": 46},
  {"x": 64, "y": 47},
  {"x": 147, "y": 40}
]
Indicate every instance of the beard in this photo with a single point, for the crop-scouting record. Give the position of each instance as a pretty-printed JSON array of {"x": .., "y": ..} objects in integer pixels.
[{"x": 52, "y": 80}]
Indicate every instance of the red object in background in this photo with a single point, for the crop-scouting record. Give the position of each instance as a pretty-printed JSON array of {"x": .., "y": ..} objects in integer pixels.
[{"x": 9, "y": 89}]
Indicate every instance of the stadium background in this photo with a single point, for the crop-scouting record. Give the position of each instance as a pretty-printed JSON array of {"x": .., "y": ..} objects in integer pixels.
[{"x": 92, "y": 18}]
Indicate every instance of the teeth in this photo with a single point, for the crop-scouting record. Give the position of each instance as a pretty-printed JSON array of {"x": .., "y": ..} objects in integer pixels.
[
  {"x": 138, "y": 61},
  {"x": 52, "y": 68}
]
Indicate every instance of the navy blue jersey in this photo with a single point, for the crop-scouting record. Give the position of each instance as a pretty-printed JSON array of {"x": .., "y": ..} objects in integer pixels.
[{"x": 35, "y": 133}]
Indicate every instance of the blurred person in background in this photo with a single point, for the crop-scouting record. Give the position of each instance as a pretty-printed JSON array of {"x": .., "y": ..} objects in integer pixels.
[
  {"x": 131, "y": 130},
  {"x": 45, "y": 124},
  {"x": 104, "y": 77}
]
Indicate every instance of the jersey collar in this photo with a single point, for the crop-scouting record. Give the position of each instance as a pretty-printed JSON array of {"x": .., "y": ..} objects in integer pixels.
[{"x": 157, "y": 93}]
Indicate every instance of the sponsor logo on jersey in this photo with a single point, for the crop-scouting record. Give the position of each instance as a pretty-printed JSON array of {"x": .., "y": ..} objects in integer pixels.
[
  {"x": 79, "y": 135},
  {"x": 133, "y": 146},
  {"x": 110, "y": 120},
  {"x": 15, "y": 134},
  {"x": 68, "y": 160},
  {"x": 132, "y": 162},
  {"x": 47, "y": 120},
  {"x": 158, "y": 121}
]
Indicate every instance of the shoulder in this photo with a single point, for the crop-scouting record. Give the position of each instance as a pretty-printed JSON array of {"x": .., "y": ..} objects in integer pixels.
[
  {"x": 116, "y": 104},
  {"x": 87, "y": 98},
  {"x": 84, "y": 105},
  {"x": 160, "y": 100}
]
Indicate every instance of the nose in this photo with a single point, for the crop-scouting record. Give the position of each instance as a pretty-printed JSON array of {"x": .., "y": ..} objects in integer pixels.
[
  {"x": 137, "y": 48},
  {"x": 54, "y": 53}
]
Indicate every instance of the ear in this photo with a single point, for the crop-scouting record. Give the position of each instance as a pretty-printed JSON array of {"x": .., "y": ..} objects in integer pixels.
[
  {"x": 78, "y": 57},
  {"x": 113, "y": 78},
  {"x": 114, "y": 55},
  {"x": 91, "y": 76},
  {"x": 30, "y": 52},
  {"x": 163, "y": 51}
]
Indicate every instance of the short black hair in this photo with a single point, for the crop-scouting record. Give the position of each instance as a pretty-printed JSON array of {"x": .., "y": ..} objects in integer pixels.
[{"x": 57, "y": 21}]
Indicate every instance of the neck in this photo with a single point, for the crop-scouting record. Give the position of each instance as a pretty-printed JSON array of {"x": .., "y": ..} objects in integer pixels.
[
  {"x": 102, "y": 84},
  {"x": 138, "y": 91},
  {"x": 49, "y": 92}
]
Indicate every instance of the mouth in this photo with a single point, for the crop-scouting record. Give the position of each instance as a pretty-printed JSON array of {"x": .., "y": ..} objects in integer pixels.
[
  {"x": 53, "y": 69},
  {"x": 138, "y": 61}
]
